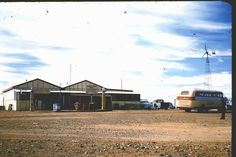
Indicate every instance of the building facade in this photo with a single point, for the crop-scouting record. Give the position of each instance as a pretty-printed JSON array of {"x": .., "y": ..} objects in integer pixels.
[{"x": 38, "y": 94}]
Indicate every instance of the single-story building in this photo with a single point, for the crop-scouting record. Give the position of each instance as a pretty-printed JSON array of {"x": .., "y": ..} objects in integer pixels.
[{"x": 38, "y": 94}]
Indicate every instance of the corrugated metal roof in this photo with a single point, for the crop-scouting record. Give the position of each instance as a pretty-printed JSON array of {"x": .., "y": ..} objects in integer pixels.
[
  {"x": 37, "y": 79},
  {"x": 67, "y": 87}
]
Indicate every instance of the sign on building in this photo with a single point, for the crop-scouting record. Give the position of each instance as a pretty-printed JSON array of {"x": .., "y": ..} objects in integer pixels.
[
  {"x": 41, "y": 91},
  {"x": 92, "y": 89}
]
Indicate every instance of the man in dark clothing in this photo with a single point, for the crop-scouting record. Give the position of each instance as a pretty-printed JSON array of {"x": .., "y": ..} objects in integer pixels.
[{"x": 223, "y": 108}]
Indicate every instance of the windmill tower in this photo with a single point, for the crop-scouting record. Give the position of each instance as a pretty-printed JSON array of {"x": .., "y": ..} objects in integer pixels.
[{"x": 207, "y": 79}]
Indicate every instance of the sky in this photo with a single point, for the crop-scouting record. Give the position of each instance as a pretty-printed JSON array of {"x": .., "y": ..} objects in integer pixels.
[{"x": 153, "y": 48}]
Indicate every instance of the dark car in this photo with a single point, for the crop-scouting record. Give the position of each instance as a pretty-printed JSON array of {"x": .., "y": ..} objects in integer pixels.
[
  {"x": 171, "y": 106},
  {"x": 165, "y": 105}
]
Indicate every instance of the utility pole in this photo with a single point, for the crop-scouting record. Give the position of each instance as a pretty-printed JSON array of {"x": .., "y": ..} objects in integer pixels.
[
  {"x": 31, "y": 98},
  {"x": 103, "y": 99},
  {"x": 70, "y": 74}
]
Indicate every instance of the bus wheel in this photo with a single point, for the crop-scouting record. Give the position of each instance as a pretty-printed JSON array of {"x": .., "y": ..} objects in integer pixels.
[{"x": 187, "y": 110}]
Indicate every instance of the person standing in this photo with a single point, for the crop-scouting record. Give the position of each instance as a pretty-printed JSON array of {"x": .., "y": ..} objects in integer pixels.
[
  {"x": 223, "y": 108},
  {"x": 77, "y": 106}
]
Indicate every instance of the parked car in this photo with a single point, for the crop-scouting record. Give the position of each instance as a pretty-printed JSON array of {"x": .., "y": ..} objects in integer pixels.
[
  {"x": 165, "y": 105},
  {"x": 171, "y": 106},
  {"x": 157, "y": 103},
  {"x": 145, "y": 104},
  {"x": 160, "y": 104}
]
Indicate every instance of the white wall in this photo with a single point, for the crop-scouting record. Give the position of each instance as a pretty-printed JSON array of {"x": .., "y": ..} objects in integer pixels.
[{"x": 10, "y": 98}]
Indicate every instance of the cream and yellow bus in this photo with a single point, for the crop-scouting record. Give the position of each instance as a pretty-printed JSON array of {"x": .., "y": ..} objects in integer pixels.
[{"x": 199, "y": 99}]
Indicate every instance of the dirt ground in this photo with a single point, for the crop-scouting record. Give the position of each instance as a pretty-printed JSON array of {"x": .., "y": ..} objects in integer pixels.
[{"x": 167, "y": 133}]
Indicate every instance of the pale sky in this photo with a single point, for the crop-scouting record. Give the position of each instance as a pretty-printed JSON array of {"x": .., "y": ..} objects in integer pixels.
[{"x": 155, "y": 48}]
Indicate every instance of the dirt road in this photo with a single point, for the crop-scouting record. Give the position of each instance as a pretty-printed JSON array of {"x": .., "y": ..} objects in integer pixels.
[{"x": 169, "y": 133}]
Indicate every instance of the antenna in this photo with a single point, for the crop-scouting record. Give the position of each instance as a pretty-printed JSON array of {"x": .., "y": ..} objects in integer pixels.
[
  {"x": 207, "y": 79},
  {"x": 70, "y": 74}
]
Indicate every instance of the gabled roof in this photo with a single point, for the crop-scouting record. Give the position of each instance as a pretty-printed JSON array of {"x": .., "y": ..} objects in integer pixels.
[
  {"x": 106, "y": 89},
  {"x": 37, "y": 79},
  {"x": 82, "y": 82}
]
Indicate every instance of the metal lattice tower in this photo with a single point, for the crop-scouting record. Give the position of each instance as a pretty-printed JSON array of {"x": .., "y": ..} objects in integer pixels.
[{"x": 207, "y": 79}]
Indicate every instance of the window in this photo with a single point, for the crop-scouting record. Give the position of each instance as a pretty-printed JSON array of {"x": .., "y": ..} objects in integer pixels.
[
  {"x": 209, "y": 94},
  {"x": 160, "y": 100},
  {"x": 24, "y": 96},
  {"x": 185, "y": 93}
]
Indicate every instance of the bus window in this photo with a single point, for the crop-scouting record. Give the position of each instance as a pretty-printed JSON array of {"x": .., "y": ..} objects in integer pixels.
[{"x": 185, "y": 93}]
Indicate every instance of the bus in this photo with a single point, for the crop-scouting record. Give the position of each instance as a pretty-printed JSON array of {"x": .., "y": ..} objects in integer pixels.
[{"x": 199, "y": 99}]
